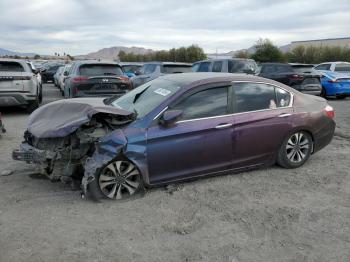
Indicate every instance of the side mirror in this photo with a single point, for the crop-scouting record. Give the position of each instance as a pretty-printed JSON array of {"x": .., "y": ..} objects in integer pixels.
[
  {"x": 35, "y": 71},
  {"x": 170, "y": 117},
  {"x": 65, "y": 73},
  {"x": 43, "y": 70},
  {"x": 137, "y": 73}
]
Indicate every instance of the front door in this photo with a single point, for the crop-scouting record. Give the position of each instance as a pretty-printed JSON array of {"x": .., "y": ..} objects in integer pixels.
[{"x": 200, "y": 143}]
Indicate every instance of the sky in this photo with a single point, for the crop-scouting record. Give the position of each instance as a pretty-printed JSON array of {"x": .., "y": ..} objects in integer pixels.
[{"x": 79, "y": 27}]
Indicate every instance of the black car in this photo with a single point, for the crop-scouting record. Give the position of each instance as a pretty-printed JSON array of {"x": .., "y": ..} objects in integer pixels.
[
  {"x": 301, "y": 77},
  {"x": 48, "y": 72},
  {"x": 95, "y": 78}
]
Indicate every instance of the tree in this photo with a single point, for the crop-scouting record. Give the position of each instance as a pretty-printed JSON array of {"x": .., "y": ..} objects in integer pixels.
[
  {"x": 37, "y": 57},
  {"x": 266, "y": 51},
  {"x": 241, "y": 54}
]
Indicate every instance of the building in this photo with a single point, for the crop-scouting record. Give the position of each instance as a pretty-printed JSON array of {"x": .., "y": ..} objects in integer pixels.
[{"x": 342, "y": 42}]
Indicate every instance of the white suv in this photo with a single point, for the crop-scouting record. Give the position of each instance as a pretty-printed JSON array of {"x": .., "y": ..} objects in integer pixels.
[{"x": 18, "y": 85}]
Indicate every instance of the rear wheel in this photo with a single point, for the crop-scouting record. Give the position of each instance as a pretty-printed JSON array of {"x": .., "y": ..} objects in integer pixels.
[
  {"x": 341, "y": 96},
  {"x": 295, "y": 150},
  {"x": 118, "y": 180}
]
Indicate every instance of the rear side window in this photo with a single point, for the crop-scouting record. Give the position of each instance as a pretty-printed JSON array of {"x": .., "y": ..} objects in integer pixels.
[
  {"x": 217, "y": 66},
  {"x": 257, "y": 96},
  {"x": 11, "y": 67},
  {"x": 239, "y": 66},
  {"x": 100, "y": 70},
  {"x": 304, "y": 70},
  {"x": 204, "y": 67},
  {"x": 173, "y": 69},
  {"x": 283, "y": 69},
  {"x": 323, "y": 67},
  {"x": 344, "y": 67},
  {"x": 268, "y": 69},
  {"x": 206, "y": 103}
]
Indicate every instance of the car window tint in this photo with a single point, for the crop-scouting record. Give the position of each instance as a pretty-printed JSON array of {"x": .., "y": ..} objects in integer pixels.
[
  {"x": 283, "y": 69},
  {"x": 195, "y": 67},
  {"x": 11, "y": 66},
  {"x": 268, "y": 69},
  {"x": 217, "y": 66},
  {"x": 254, "y": 96},
  {"x": 174, "y": 69},
  {"x": 148, "y": 69},
  {"x": 100, "y": 70},
  {"x": 343, "y": 67},
  {"x": 206, "y": 103},
  {"x": 323, "y": 67},
  {"x": 204, "y": 67},
  {"x": 283, "y": 97}
]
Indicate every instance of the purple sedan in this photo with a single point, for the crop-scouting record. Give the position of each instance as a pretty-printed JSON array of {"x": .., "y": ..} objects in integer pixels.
[{"x": 175, "y": 128}]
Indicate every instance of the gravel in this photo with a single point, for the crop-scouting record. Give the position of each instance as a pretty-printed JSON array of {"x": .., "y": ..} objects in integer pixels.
[{"x": 269, "y": 214}]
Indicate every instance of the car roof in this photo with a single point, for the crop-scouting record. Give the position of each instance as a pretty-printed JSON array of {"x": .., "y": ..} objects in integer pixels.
[
  {"x": 86, "y": 62},
  {"x": 189, "y": 79},
  {"x": 225, "y": 59},
  {"x": 168, "y": 63}
]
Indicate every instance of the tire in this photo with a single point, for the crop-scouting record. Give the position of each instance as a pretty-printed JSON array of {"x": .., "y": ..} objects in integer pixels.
[
  {"x": 341, "y": 96},
  {"x": 295, "y": 150},
  {"x": 33, "y": 105},
  {"x": 119, "y": 180},
  {"x": 40, "y": 95},
  {"x": 323, "y": 93}
]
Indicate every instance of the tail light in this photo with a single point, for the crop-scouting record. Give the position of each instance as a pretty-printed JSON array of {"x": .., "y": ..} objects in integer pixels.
[
  {"x": 329, "y": 111},
  {"x": 126, "y": 80},
  {"x": 79, "y": 79},
  {"x": 296, "y": 77},
  {"x": 333, "y": 81}
]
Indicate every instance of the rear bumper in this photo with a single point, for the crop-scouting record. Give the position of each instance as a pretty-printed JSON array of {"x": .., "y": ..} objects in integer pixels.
[
  {"x": 30, "y": 154},
  {"x": 16, "y": 98},
  {"x": 334, "y": 89}
]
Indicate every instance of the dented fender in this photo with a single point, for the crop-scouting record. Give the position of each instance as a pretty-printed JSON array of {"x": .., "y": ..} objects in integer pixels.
[{"x": 130, "y": 143}]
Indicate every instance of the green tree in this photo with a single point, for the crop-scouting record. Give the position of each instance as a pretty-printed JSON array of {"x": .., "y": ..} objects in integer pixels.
[
  {"x": 266, "y": 51},
  {"x": 241, "y": 54},
  {"x": 37, "y": 57}
]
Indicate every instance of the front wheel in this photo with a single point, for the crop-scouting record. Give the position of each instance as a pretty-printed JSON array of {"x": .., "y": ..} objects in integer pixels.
[
  {"x": 295, "y": 150},
  {"x": 118, "y": 180}
]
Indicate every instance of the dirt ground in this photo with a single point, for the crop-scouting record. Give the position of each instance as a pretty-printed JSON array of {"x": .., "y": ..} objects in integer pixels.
[{"x": 264, "y": 215}]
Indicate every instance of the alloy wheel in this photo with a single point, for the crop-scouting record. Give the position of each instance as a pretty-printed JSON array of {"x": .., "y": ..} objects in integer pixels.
[
  {"x": 298, "y": 147},
  {"x": 119, "y": 180}
]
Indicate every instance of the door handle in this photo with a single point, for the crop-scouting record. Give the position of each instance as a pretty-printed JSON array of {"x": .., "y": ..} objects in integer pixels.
[
  {"x": 284, "y": 115},
  {"x": 222, "y": 126}
]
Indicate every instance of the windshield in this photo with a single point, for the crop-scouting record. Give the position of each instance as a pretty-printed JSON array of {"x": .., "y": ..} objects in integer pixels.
[
  {"x": 146, "y": 97},
  {"x": 148, "y": 69},
  {"x": 100, "y": 70},
  {"x": 173, "y": 69},
  {"x": 131, "y": 68}
]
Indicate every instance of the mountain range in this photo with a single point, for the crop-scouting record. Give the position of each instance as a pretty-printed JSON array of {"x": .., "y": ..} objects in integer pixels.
[{"x": 5, "y": 52}]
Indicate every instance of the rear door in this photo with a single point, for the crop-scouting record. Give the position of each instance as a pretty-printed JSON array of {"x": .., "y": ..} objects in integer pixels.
[
  {"x": 11, "y": 76},
  {"x": 262, "y": 120},
  {"x": 200, "y": 143}
]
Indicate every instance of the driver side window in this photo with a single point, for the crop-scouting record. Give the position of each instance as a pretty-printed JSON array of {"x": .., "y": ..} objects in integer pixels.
[{"x": 206, "y": 103}]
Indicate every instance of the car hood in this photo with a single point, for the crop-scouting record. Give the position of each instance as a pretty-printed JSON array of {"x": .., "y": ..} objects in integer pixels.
[{"x": 63, "y": 117}]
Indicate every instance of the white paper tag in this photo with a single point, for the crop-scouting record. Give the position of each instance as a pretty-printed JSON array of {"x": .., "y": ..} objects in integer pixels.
[{"x": 162, "y": 91}]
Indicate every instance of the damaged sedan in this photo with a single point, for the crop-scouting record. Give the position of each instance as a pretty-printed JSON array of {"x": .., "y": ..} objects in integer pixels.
[{"x": 175, "y": 128}]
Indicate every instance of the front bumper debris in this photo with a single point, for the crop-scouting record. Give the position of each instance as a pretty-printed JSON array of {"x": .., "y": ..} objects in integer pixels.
[{"x": 30, "y": 154}]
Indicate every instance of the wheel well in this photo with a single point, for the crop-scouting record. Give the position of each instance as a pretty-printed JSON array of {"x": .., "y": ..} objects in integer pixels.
[{"x": 312, "y": 137}]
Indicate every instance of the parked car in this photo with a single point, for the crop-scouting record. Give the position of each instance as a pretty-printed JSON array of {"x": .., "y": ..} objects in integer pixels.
[
  {"x": 152, "y": 70},
  {"x": 62, "y": 78},
  {"x": 2, "y": 126},
  {"x": 37, "y": 74},
  {"x": 335, "y": 79},
  {"x": 96, "y": 78},
  {"x": 18, "y": 85},
  {"x": 56, "y": 76},
  {"x": 131, "y": 69},
  {"x": 301, "y": 77},
  {"x": 236, "y": 65},
  {"x": 48, "y": 71},
  {"x": 175, "y": 128}
]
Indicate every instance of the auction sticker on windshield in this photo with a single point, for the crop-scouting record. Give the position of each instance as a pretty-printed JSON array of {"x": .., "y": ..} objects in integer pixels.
[{"x": 162, "y": 91}]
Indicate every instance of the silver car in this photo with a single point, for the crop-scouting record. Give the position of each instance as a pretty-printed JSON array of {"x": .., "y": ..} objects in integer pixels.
[{"x": 18, "y": 85}]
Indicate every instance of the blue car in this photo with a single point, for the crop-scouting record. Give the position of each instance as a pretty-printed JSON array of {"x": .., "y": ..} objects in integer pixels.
[{"x": 335, "y": 79}]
